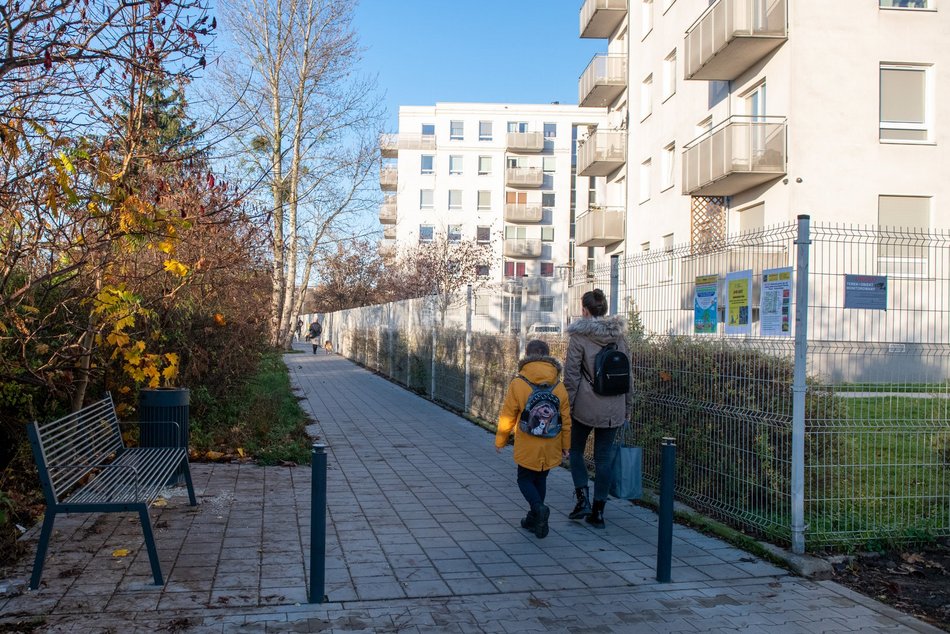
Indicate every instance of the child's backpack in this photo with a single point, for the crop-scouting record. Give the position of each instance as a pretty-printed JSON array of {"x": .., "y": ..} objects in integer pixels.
[
  {"x": 611, "y": 372},
  {"x": 541, "y": 415}
]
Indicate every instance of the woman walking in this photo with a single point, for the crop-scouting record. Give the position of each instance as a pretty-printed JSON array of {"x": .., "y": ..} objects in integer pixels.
[{"x": 592, "y": 412}]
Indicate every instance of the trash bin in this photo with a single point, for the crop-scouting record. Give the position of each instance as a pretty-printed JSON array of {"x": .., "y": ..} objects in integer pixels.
[{"x": 165, "y": 404}]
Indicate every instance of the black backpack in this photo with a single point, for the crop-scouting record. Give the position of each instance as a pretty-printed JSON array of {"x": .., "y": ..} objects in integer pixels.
[
  {"x": 541, "y": 415},
  {"x": 611, "y": 372}
]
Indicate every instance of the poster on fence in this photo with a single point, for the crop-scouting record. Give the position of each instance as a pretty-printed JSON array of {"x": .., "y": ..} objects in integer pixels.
[
  {"x": 868, "y": 292},
  {"x": 739, "y": 303},
  {"x": 706, "y": 304},
  {"x": 775, "y": 303}
]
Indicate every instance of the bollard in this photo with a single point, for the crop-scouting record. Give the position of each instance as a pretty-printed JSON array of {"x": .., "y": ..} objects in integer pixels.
[
  {"x": 664, "y": 544},
  {"x": 318, "y": 522}
]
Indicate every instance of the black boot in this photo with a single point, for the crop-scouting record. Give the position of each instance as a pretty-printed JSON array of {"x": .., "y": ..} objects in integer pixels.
[
  {"x": 582, "y": 508},
  {"x": 541, "y": 525},
  {"x": 529, "y": 521},
  {"x": 596, "y": 517}
]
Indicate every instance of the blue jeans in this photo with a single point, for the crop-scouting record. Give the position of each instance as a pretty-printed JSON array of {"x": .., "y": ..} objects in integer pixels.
[
  {"x": 603, "y": 457},
  {"x": 533, "y": 485}
]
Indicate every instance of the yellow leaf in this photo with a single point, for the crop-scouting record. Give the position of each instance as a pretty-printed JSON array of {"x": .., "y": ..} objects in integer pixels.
[
  {"x": 240, "y": 452},
  {"x": 176, "y": 267},
  {"x": 166, "y": 246},
  {"x": 214, "y": 455},
  {"x": 160, "y": 502},
  {"x": 120, "y": 552}
]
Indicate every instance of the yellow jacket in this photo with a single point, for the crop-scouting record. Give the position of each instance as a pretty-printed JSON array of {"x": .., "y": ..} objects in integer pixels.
[{"x": 532, "y": 452}]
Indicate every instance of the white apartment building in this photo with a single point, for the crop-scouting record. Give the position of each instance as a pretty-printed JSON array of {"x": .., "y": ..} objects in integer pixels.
[
  {"x": 747, "y": 113},
  {"x": 501, "y": 174}
]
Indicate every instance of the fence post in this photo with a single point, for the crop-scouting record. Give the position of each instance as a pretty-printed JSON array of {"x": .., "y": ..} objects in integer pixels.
[
  {"x": 664, "y": 543},
  {"x": 318, "y": 522},
  {"x": 798, "y": 385},
  {"x": 432, "y": 373},
  {"x": 468, "y": 348},
  {"x": 614, "y": 283}
]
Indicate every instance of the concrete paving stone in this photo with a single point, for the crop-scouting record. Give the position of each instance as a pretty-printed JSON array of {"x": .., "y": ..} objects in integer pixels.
[
  {"x": 501, "y": 569},
  {"x": 515, "y": 583},
  {"x": 370, "y": 588},
  {"x": 471, "y": 585},
  {"x": 560, "y": 582},
  {"x": 426, "y": 588},
  {"x": 533, "y": 559},
  {"x": 444, "y": 553},
  {"x": 370, "y": 569}
]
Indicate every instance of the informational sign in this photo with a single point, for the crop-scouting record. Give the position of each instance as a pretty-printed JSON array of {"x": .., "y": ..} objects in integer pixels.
[
  {"x": 706, "y": 304},
  {"x": 739, "y": 303},
  {"x": 865, "y": 291},
  {"x": 775, "y": 303}
]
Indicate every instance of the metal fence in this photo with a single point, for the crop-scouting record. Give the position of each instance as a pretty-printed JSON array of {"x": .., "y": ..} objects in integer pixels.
[{"x": 842, "y": 439}]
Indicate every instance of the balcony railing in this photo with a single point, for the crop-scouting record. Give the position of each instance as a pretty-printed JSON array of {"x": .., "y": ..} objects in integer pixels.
[
  {"x": 736, "y": 155},
  {"x": 388, "y": 177},
  {"x": 732, "y": 35},
  {"x": 523, "y": 213},
  {"x": 522, "y": 248},
  {"x": 417, "y": 142},
  {"x": 389, "y": 145},
  {"x": 600, "y": 18},
  {"x": 387, "y": 248},
  {"x": 387, "y": 211},
  {"x": 389, "y": 232},
  {"x": 525, "y": 141},
  {"x": 604, "y": 79},
  {"x": 603, "y": 152},
  {"x": 531, "y": 177},
  {"x": 599, "y": 227}
]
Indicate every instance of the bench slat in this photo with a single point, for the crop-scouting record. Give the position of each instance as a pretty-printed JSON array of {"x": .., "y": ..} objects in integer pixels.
[{"x": 117, "y": 483}]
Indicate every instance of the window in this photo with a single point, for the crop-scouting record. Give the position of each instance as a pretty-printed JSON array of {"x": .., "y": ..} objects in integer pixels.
[
  {"x": 669, "y": 75},
  {"x": 482, "y": 302},
  {"x": 428, "y": 129},
  {"x": 455, "y": 199},
  {"x": 902, "y": 251},
  {"x": 646, "y": 15},
  {"x": 591, "y": 262},
  {"x": 425, "y": 233},
  {"x": 456, "y": 130},
  {"x": 484, "y": 165},
  {"x": 547, "y": 234},
  {"x": 548, "y": 164},
  {"x": 752, "y": 218},
  {"x": 481, "y": 270},
  {"x": 484, "y": 199},
  {"x": 514, "y": 269},
  {"x": 455, "y": 164},
  {"x": 645, "y": 246},
  {"x": 484, "y": 130},
  {"x": 905, "y": 94},
  {"x": 546, "y": 303},
  {"x": 667, "y": 162},
  {"x": 428, "y": 163},
  {"x": 668, "y": 252},
  {"x": 482, "y": 234},
  {"x": 516, "y": 198},
  {"x": 591, "y": 191},
  {"x": 426, "y": 198},
  {"x": 645, "y": 168},
  {"x": 550, "y": 130},
  {"x": 517, "y": 126},
  {"x": 515, "y": 233},
  {"x": 547, "y": 199},
  {"x": 454, "y": 233},
  {"x": 646, "y": 96},
  {"x": 547, "y": 269},
  {"x": 907, "y": 4}
]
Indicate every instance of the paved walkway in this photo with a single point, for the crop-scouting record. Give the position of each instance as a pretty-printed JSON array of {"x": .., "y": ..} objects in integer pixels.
[{"x": 422, "y": 536}]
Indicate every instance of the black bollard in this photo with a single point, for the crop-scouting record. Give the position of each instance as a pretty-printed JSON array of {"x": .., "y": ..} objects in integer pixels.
[
  {"x": 318, "y": 522},
  {"x": 664, "y": 544}
]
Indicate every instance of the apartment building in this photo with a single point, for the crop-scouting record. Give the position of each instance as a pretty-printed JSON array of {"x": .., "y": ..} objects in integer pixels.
[
  {"x": 747, "y": 113},
  {"x": 501, "y": 174}
]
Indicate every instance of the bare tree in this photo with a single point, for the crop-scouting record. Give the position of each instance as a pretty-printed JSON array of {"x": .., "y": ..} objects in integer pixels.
[{"x": 312, "y": 130}]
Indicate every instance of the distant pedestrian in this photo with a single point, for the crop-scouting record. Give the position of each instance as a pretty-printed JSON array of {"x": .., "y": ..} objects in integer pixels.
[
  {"x": 315, "y": 331},
  {"x": 592, "y": 411},
  {"x": 297, "y": 330},
  {"x": 537, "y": 410}
]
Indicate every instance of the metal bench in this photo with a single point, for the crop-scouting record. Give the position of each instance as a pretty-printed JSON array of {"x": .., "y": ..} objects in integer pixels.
[{"x": 85, "y": 467}]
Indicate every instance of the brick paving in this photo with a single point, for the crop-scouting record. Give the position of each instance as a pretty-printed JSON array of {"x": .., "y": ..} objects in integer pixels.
[{"x": 422, "y": 536}]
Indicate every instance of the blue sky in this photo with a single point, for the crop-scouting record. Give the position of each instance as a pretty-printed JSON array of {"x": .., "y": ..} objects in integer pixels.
[{"x": 428, "y": 51}]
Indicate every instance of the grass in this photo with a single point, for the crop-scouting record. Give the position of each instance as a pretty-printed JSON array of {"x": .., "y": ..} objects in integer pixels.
[{"x": 907, "y": 388}]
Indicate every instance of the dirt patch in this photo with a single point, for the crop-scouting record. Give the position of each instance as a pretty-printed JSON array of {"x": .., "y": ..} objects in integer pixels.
[{"x": 916, "y": 581}]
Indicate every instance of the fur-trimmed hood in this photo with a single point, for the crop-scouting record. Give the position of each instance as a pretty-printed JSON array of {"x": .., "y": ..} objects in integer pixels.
[
  {"x": 600, "y": 330},
  {"x": 540, "y": 369},
  {"x": 537, "y": 357}
]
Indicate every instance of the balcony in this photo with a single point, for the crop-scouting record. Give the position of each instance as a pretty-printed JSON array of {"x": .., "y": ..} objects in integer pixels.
[
  {"x": 389, "y": 232},
  {"x": 417, "y": 142},
  {"x": 522, "y": 248},
  {"x": 736, "y": 155},
  {"x": 603, "y": 81},
  {"x": 387, "y": 211},
  {"x": 389, "y": 145},
  {"x": 525, "y": 177},
  {"x": 603, "y": 152},
  {"x": 525, "y": 141},
  {"x": 599, "y": 227},
  {"x": 388, "y": 177},
  {"x": 732, "y": 35},
  {"x": 387, "y": 248},
  {"x": 521, "y": 213},
  {"x": 600, "y": 18}
]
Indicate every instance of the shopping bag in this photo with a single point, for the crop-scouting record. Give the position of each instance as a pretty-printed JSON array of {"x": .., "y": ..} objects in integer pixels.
[{"x": 627, "y": 483}]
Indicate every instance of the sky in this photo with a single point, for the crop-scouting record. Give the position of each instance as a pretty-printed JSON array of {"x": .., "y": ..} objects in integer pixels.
[{"x": 516, "y": 51}]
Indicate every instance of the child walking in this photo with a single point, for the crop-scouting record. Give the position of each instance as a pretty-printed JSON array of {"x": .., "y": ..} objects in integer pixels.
[{"x": 536, "y": 409}]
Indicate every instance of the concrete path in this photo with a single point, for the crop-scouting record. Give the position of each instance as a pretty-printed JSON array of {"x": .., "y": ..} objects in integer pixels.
[{"x": 422, "y": 536}]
